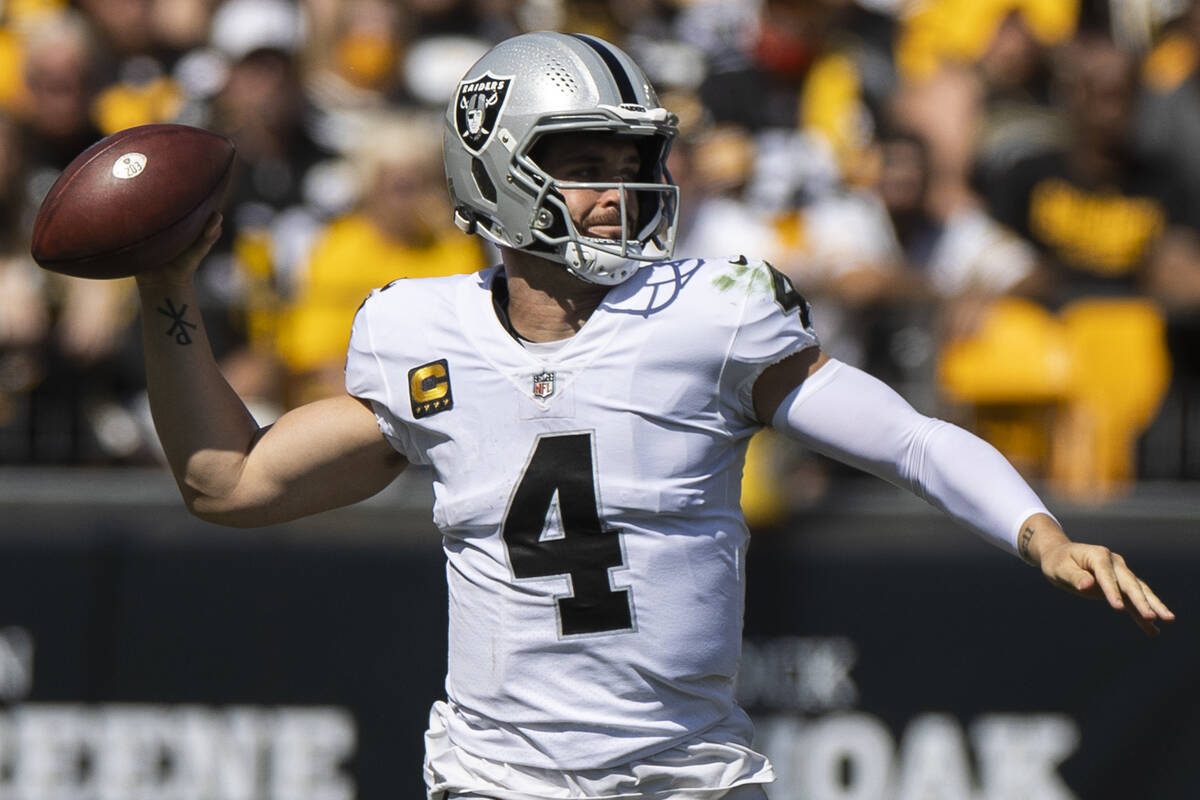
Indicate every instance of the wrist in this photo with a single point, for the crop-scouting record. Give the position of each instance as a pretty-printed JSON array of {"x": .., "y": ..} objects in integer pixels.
[
  {"x": 1039, "y": 534},
  {"x": 171, "y": 303},
  {"x": 156, "y": 283}
]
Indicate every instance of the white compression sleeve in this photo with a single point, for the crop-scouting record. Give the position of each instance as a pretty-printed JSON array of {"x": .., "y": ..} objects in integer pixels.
[{"x": 849, "y": 415}]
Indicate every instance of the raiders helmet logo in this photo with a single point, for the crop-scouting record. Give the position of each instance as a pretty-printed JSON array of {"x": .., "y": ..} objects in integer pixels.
[{"x": 477, "y": 107}]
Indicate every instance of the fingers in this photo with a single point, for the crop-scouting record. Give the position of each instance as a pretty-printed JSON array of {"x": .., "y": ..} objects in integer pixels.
[
  {"x": 1122, "y": 589},
  {"x": 214, "y": 221},
  {"x": 1075, "y": 578},
  {"x": 1084, "y": 582},
  {"x": 1134, "y": 590},
  {"x": 207, "y": 238},
  {"x": 1148, "y": 627},
  {"x": 1095, "y": 571},
  {"x": 212, "y": 232},
  {"x": 1159, "y": 606},
  {"x": 182, "y": 267},
  {"x": 1100, "y": 562}
]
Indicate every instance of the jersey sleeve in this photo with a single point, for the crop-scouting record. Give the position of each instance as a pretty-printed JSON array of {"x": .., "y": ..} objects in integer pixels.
[
  {"x": 776, "y": 322},
  {"x": 367, "y": 379}
]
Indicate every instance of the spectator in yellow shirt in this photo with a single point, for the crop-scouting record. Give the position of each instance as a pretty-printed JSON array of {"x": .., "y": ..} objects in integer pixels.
[{"x": 401, "y": 228}]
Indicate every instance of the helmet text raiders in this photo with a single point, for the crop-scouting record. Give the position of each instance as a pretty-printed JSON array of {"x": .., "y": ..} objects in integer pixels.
[{"x": 545, "y": 84}]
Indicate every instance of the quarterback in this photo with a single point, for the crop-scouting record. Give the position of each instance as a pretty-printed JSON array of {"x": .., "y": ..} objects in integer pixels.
[{"x": 584, "y": 409}]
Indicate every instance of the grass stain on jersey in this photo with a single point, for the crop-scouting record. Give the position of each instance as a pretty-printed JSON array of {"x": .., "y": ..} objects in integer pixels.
[{"x": 749, "y": 274}]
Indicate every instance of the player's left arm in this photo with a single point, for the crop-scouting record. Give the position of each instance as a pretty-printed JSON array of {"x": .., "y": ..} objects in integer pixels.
[{"x": 849, "y": 415}]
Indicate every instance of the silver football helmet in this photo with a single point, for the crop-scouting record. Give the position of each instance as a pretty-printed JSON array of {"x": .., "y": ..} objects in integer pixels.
[{"x": 540, "y": 84}]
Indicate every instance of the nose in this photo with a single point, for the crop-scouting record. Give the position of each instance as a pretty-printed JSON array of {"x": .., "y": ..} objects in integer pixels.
[{"x": 610, "y": 196}]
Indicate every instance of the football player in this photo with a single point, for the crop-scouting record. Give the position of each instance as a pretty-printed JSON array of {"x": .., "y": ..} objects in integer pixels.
[{"x": 584, "y": 408}]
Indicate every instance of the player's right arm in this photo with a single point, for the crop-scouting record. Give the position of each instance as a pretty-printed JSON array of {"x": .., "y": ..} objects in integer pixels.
[{"x": 229, "y": 470}]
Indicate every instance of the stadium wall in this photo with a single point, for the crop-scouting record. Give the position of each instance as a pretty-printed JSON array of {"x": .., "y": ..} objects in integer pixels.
[{"x": 889, "y": 655}]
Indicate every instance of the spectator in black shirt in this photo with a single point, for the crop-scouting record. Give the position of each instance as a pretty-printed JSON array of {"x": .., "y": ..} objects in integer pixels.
[
  {"x": 1106, "y": 223},
  {"x": 1095, "y": 210}
]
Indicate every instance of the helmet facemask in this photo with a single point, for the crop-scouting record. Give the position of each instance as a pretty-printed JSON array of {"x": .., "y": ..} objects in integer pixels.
[{"x": 648, "y": 212}]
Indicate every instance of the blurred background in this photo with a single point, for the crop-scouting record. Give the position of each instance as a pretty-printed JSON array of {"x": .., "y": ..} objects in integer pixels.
[{"x": 991, "y": 204}]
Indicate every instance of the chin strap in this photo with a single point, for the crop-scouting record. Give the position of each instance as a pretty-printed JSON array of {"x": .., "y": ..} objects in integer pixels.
[{"x": 597, "y": 266}]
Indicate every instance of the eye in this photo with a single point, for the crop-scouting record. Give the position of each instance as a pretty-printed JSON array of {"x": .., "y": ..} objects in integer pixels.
[{"x": 582, "y": 173}]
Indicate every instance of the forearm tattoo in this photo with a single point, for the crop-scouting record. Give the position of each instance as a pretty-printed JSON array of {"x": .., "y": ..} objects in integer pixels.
[
  {"x": 1023, "y": 543},
  {"x": 179, "y": 326}
]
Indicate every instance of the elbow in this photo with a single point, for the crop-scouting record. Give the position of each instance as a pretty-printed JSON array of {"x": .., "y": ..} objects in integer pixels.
[
  {"x": 219, "y": 512},
  {"x": 213, "y": 496},
  {"x": 201, "y": 507},
  {"x": 193, "y": 500},
  {"x": 210, "y": 480},
  {"x": 227, "y": 519}
]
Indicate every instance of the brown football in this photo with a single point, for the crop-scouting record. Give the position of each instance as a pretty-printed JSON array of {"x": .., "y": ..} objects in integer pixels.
[{"x": 132, "y": 201}]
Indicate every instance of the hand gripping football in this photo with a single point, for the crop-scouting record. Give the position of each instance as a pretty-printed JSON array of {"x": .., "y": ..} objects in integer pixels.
[{"x": 132, "y": 201}]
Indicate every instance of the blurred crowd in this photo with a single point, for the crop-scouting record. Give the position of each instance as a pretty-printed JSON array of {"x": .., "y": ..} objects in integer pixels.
[{"x": 991, "y": 204}]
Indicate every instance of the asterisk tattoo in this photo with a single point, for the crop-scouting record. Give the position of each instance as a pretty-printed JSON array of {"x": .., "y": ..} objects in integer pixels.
[{"x": 179, "y": 325}]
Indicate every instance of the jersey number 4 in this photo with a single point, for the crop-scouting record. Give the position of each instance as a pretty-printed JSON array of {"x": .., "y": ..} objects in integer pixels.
[{"x": 561, "y": 475}]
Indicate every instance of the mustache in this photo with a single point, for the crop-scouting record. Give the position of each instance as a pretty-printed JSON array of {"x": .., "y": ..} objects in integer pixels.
[{"x": 610, "y": 217}]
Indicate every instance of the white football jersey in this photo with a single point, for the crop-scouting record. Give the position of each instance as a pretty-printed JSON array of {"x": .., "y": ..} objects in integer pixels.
[{"x": 589, "y": 499}]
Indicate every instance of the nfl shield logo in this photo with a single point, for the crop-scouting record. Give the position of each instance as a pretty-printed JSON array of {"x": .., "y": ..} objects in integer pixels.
[{"x": 543, "y": 385}]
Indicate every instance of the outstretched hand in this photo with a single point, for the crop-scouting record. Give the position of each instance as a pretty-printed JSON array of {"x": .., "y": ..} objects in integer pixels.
[{"x": 1094, "y": 571}]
